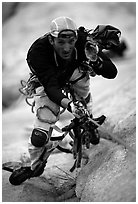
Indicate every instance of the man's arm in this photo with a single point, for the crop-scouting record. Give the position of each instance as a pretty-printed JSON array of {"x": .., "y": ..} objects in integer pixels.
[
  {"x": 46, "y": 73},
  {"x": 104, "y": 66}
]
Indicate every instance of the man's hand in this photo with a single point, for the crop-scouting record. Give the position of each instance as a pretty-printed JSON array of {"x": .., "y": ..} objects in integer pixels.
[
  {"x": 91, "y": 50},
  {"x": 86, "y": 67},
  {"x": 77, "y": 109}
]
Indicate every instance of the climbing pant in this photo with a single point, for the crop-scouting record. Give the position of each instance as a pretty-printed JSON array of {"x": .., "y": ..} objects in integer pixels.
[{"x": 48, "y": 113}]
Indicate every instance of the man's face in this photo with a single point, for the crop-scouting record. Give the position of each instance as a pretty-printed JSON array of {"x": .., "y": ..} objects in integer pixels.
[{"x": 65, "y": 44}]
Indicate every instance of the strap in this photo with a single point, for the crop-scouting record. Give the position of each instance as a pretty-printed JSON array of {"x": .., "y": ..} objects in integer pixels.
[
  {"x": 50, "y": 132},
  {"x": 74, "y": 166},
  {"x": 58, "y": 130},
  {"x": 71, "y": 135},
  {"x": 87, "y": 99},
  {"x": 57, "y": 138},
  {"x": 81, "y": 77},
  {"x": 64, "y": 149}
]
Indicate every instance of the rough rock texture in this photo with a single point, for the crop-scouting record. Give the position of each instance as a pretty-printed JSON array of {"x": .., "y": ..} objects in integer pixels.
[{"x": 110, "y": 173}]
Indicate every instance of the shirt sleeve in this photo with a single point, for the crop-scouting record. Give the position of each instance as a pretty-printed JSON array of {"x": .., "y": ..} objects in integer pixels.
[
  {"x": 108, "y": 69},
  {"x": 47, "y": 75}
]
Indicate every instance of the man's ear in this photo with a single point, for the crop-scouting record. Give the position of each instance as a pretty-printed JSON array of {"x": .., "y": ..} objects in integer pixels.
[{"x": 50, "y": 40}]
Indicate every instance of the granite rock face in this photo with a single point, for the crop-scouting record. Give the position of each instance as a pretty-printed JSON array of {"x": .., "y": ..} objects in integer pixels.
[{"x": 110, "y": 175}]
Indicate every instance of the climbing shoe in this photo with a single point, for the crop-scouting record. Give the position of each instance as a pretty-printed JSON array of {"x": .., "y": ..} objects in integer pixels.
[{"x": 20, "y": 175}]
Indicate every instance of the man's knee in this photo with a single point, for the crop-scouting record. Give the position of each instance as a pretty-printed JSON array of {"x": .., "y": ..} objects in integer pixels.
[{"x": 39, "y": 137}]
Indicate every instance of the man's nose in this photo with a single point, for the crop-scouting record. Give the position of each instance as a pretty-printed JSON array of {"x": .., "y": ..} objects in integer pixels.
[{"x": 67, "y": 47}]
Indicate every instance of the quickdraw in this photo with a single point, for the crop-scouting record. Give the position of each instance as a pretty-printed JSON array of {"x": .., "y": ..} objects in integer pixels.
[{"x": 57, "y": 138}]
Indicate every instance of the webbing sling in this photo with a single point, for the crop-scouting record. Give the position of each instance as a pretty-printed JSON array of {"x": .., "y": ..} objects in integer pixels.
[
  {"x": 58, "y": 138},
  {"x": 81, "y": 77}
]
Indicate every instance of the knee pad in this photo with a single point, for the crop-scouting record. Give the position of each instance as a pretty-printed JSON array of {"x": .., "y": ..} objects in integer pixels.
[{"x": 39, "y": 137}]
